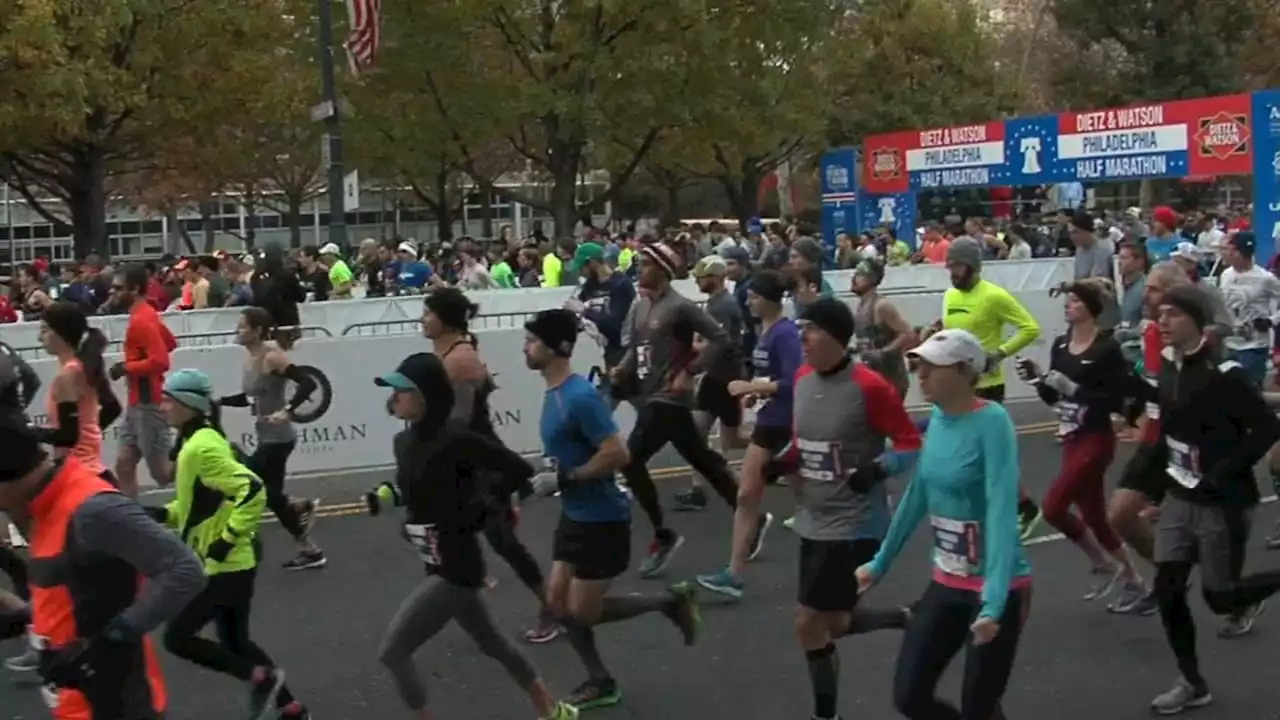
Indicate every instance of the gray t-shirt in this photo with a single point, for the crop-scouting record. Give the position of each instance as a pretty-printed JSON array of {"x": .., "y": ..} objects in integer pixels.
[
  {"x": 725, "y": 311},
  {"x": 1093, "y": 261},
  {"x": 657, "y": 334}
]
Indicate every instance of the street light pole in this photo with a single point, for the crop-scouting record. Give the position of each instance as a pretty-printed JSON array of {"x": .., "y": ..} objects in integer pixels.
[{"x": 333, "y": 128}]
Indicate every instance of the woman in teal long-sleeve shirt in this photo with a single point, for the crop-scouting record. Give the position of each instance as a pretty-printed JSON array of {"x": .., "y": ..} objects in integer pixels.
[{"x": 966, "y": 481}]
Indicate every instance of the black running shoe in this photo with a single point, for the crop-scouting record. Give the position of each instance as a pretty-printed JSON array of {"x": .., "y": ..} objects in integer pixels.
[
  {"x": 266, "y": 688},
  {"x": 307, "y": 560},
  {"x": 595, "y": 694}
]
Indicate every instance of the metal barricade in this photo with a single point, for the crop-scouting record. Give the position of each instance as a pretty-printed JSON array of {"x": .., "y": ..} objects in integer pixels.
[{"x": 190, "y": 340}]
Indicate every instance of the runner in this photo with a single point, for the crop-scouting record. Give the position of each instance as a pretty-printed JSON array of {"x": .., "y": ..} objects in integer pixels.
[
  {"x": 1085, "y": 384},
  {"x": 583, "y": 452},
  {"x": 776, "y": 358},
  {"x": 966, "y": 480},
  {"x": 92, "y": 617},
  {"x": 1214, "y": 428},
  {"x": 657, "y": 376},
  {"x": 882, "y": 333},
  {"x": 805, "y": 257},
  {"x": 984, "y": 309},
  {"x": 712, "y": 400},
  {"x": 445, "y": 511},
  {"x": 266, "y": 375},
  {"x": 603, "y": 300},
  {"x": 217, "y": 508},
  {"x": 147, "y": 344},
  {"x": 21, "y": 381},
  {"x": 844, "y": 413},
  {"x": 18, "y": 386},
  {"x": 1141, "y": 485},
  {"x": 445, "y": 317}
]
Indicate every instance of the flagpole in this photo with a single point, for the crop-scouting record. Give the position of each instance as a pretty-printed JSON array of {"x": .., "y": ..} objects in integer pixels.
[{"x": 329, "y": 112}]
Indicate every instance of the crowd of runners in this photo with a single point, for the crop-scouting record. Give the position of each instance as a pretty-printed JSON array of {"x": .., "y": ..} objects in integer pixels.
[{"x": 1170, "y": 358}]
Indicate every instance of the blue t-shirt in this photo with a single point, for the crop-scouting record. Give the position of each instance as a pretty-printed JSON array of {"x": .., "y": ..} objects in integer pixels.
[
  {"x": 575, "y": 423},
  {"x": 414, "y": 274},
  {"x": 777, "y": 356},
  {"x": 1159, "y": 249}
]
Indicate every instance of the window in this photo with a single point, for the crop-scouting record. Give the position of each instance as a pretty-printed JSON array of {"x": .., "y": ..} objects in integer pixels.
[
  {"x": 130, "y": 227},
  {"x": 22, "y": 232},
  {"x": 231, "y": 209},
  {"x": 152, "y": 227},
  {"x": 369, "y": 218},
  {"x": 270, "y": 222},
  {"x": 42, "y": 231},
  {"x": 192, "y": 226},
  {"x": 153, "y": 244}
]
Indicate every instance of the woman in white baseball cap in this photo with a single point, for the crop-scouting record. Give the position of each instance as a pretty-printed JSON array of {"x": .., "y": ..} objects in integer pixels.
[{"x": 966, "y": 483}]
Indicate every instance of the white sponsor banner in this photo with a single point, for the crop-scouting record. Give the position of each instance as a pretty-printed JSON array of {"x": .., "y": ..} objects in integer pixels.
[
  {"x": 336, "y": 316},
  {"x": 347, "y": 427},
  {"x": 1139, "y": 141},
  {"x": 982, "y": 154}
]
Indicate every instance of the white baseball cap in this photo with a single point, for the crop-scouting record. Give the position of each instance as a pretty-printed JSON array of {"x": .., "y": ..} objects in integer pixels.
[
  {"x": 330, "y": 249},
  {"x": 1187, "y": 251},
  {"x": 949, "y": 347},
  {"x": 407, "y": 247}
]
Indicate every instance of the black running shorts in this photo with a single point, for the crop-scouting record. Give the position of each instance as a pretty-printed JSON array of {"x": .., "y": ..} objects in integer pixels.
[
  {"x": 827, "y": 582},
  {"x": 1136, "y": 476},
  {"x": 597, "y": 551},
  {"x": 714, "y": 399}
]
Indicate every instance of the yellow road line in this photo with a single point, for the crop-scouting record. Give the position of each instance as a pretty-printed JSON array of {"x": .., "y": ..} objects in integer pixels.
[{"x": 358, "y": 508}]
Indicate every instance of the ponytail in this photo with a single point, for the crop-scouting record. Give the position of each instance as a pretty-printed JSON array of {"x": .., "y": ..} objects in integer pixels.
[{"x": 89, "y": 352}]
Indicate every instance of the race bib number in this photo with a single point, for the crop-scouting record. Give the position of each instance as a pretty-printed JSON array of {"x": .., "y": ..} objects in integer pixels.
[
  {"x": 1184, "y": 464},
  {"x": 1069, "y": 416},
  {"x": 427, "y": 541},
  {"x": 1153, "y": 411},
  {"x": 644, "y": 360},
  {"x": 820, "y": 461},
  {"x": 760, "y": 361},
  {"x": 956, "y": 545}
]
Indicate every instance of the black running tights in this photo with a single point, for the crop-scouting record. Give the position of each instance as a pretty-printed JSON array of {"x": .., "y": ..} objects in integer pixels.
[
  {"x": 226, "y": 602},
  {"x": 270, "y": 463},
  {"x": 500, "y": 531},
  {"x": 659, "y": 423}
]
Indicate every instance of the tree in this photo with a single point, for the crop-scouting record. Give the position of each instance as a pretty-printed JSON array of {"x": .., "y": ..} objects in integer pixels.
[
  {"x": 568, "y": 85},
  {"x": 915, "y": 64},
  {"x": 93, "y": 90},
  {"x": 759, "y": 102},
  {"x": 1162, "y": 51}
]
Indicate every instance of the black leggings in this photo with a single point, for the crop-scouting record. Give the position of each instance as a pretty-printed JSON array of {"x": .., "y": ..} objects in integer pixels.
[
  {"x": 270, "y": 462},
  {"x": 938, "y": 629},
  {"x": 500, "y": 531},
  {"x": 659, "y": 423},
  {"x": 226, "y": 602},
  {"x": 12, "y": 564}
]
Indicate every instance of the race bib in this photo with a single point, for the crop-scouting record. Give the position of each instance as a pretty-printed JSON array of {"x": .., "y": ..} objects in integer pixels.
[
  {"x": 1153, "y": 411},
  {"x": 1070, "y": 415},
  {"x": 49, "y": 693},
  {"x": 644, "y": 360},
  {"x": 760, "y": 361},
  {"x": 820, "y": 461},
  {"x": 427, "y": 541},
  {"x": 956, "y": 546},
  {"x": 1184, "y": 464}
]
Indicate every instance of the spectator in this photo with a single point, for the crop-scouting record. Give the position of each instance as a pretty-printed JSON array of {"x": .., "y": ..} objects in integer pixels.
[
  {"x": 411, "y": 273},
  {"x": 315, "y": 276},
  {"x": 473, "y": 275},
  {"x": 341, "y": 279}
]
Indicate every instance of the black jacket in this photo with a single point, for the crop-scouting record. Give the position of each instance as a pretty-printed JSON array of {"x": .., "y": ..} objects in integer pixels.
[
  {"x": 1102, "y": 376},
  {"x": 1214, "y": 427}
]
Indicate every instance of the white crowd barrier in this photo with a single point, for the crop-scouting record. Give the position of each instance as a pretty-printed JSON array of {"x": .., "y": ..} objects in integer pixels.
[
  {"x": 348, "y": 429},
  {"x": 336, "y": 316}
]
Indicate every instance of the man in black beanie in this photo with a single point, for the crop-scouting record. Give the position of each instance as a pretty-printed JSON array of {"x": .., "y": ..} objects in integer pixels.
[
  {"x": 583, "y": 453},
  {"x": 94, "y": 634}
]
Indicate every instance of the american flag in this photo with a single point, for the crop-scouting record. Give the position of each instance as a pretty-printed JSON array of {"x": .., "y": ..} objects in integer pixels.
[{"x": 362, "y": 41}]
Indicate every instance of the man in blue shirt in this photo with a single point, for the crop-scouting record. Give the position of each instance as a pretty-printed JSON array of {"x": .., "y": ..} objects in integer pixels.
[
  {"x": 412, "y": 273},
  {"x": 592, "y": 545}
]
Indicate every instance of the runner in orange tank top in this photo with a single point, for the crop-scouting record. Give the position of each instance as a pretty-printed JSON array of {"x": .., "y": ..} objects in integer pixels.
[{"x": 80, "y": 402}]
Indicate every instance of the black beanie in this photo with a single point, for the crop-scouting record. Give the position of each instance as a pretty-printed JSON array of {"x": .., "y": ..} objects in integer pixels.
[
  {"x": 1190, "y": 300},
  {"x": 557, "y": 329},
  {"x": 452, "y": 307},
  {"x": 832, "y": 317},
  {"x": 769, "y": 285},
  {"x": 22, "y": 451}
]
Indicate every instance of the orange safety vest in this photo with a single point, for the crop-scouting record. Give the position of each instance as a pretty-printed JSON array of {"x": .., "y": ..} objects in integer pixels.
[{"x": 74, "y": 596}]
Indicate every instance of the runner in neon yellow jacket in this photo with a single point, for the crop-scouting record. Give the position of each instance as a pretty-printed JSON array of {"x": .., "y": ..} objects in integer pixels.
[{"x": 218, "y": 502}]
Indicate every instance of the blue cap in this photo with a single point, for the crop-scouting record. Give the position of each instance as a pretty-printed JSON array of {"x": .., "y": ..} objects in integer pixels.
[
  {"x": 754, "y": 225},
  {"x": 190, "y": 388}
]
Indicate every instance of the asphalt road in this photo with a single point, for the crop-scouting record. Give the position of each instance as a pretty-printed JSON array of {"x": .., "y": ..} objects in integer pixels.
[{"x": 324, "y": 627}]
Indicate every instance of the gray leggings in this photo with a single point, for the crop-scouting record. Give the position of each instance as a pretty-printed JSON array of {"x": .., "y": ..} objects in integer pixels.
[{"x": 424, "y": 613}]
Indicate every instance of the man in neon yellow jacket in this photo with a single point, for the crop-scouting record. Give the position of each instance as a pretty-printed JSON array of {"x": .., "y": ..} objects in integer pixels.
[{"x": 216, "y": 509}]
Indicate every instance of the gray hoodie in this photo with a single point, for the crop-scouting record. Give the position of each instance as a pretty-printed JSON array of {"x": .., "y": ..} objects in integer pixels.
[{"x": 658, "y": 335}]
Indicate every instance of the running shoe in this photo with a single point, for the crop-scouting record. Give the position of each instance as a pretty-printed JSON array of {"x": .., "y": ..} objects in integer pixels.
[
  {"x": 594, "y": 694},
  {"x": 1135, "y": 599},
  {"x": 661, "y": 552},
  {"x": 1103, "y": 579},
  {"x": 28, "y": 661},
  {"x": 563, "y": 711},
  {"x": 307, "y": 518},
  {"x": 267, "y": 683},
  {"x": 684, "y": 612},
  {"x": 545, "y": 631},
  {"x": 722, "y": 583},
  {"x": 789, "y": 523},
  {"x": 1239, "y": 625},
  {"x": 1028, "y": 523},
  {"x": 294, "y": 711},
  {"x": 757, "y": 541},
  {"x": 307, "y": 560},
  {"x": 1273, "y": 540},
  {"x": 692, "y": 499},
  {"x": 1182, "y": 696}
]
